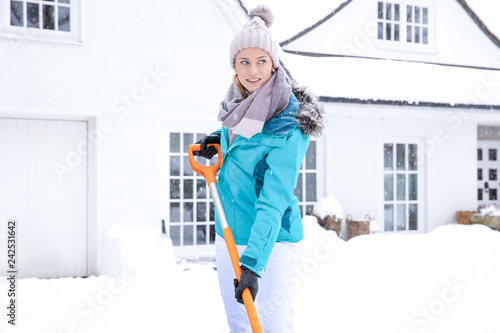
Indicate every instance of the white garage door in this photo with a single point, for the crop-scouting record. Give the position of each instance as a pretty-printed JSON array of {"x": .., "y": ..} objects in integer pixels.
[{"x": 43, "y": 179}]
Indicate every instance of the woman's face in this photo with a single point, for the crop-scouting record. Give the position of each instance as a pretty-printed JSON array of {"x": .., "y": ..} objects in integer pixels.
[{"x": 253, "y": 66}]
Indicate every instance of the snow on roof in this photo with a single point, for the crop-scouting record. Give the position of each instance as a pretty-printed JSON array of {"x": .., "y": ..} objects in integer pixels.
[{"x": 388, "y": 80}]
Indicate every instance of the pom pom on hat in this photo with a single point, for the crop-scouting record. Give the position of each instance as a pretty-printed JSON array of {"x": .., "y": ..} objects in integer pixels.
[
  {"x": 256, "y": 34},
  {"x": 264, "y": 13}
]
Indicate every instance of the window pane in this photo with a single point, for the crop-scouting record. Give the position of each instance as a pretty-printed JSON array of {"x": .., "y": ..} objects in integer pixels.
[
  {"x": 425, "y": 16},
  {"x": 188, "y": 238},
  {"x": 63, "y": 1},
  {"x": 417, "y": 34},
  {"x": 311, "y": 156},
  {"x": 175, "y": 166},
  {"x": 409, "y": 32},
  {"x": 212, "y": 233},
  {"x": 493, "y": 194},
  {"x": 388, "y": 217},
  {"x": 33, "y": 15},
  {"x": 201, "y": 234},
  {"x": 413, "y": 186},
  {"x": 425, "y": 37},
  {"x": 380, "y": 10},
  {"x": 188, "y": 139},
  {"x": 479, "y": 174},
  {"x": 417, "y": 14},
  {"x": 412, "y": 157},
  {"x": 479, "y": 194},
  {"x": 388, "y": 156},
  {"x": 188, "y": 212},
  {"x": 380, "y": 30},
  {"x": 479, "y": 154},
  {"x": 388, "y": 11},
  {"x": 175, "y": 212},
  {"x": 310, "y": 187},
  {"x": 400, "y": 157},
  {"x": 188, "y": 189},
  {"x": 400, "y": 187},
  {"x": 388, "y": 28},
  {"x": 408, "y": 13},
  {"x": 413, "y": 217},
  {"x": 175, "y": 235},
  {"x": 49, "y": 21},
  {"x": 401, "y": 217},
  {"x": 298, "y": 189},
  {"x": 389, "y": 187},
  {"x": 212, "y": 211},
  {"x": 201, "y": 212},
  {"x": 186, "y": 168},
  {"x": 201, "y": 189},
  {"x": 63, "y": 18},
  {"x": 492, "y": 154},
  {"x": 493, "y": 174},
  {"x": 175, "y": 142},
  {"x": 16, "y": 14},
  {"x": 175, "y": 189},
  {"x": 396, "y": 32},
  {"x": 396, "y": 12}
]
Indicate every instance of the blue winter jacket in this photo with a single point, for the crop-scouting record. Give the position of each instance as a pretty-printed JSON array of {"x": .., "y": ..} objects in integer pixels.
[{"x": 256, "y": 185}]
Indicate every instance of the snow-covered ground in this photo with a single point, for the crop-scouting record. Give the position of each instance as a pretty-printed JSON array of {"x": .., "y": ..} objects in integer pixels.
[{"x": 443, "y": 281}]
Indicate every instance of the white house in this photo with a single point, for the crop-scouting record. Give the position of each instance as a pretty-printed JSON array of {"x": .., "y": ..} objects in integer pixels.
[
  {"x": 99, "y": 101},
  {"x": 92, "y": 95},
  {"x": 412, "y": 93}
]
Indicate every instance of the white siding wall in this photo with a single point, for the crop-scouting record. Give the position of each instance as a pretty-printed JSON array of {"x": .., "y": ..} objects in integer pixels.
[
  {"x": 50, "y": 206},
  {"x": 354, "y": 157}
]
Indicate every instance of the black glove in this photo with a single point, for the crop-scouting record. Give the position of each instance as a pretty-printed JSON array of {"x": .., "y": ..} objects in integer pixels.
[
  {"x": 248, "y": 279},
  {"x": 208, "y": 152}
]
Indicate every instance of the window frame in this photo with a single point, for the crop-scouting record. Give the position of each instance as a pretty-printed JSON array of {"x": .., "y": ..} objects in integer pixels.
[
  {"x": 17, "y": 34},
  {"x": 402, "y": 44},
  {"x": 420, "y": 190}
]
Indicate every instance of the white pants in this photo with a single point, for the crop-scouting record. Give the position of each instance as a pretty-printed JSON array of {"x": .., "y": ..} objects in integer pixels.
[{"x": 275, "y": 299}]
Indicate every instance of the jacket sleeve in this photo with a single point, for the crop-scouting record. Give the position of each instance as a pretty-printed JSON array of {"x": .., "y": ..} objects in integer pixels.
[{"x": 280, "y": 180}]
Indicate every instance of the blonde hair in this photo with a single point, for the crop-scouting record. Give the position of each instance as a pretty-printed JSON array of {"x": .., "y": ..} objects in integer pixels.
[{"x": 239, "y": 86}]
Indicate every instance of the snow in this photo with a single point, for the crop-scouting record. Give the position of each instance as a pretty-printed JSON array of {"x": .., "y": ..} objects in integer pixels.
[
  {"x": 328, "y": 206},
  {"x": 462, "y": 85},
  {"x": 442, "y": 281}
]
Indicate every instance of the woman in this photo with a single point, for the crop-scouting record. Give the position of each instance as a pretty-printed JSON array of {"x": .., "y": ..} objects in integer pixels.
[{"x": 265, "y": 135}]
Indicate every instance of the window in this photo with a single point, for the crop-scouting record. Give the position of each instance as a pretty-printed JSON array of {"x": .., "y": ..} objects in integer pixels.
[
  {"x": 53, "y": 20},
  {"x": 388, "y": 21},
  {"x": 191, "y": 208},
  {"x": 403, "y": 22},
  {"x": 417, "y": 24},
  {"x": 401, "y": 187},
  {"x": 306, "y": 190}
]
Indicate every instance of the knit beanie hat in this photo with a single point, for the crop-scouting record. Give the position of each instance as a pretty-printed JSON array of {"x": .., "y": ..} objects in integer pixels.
[{"x": 256, "y": 34}]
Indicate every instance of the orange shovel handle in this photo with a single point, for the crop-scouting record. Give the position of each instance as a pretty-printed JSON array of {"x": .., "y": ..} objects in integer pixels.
[{"x": 208, "y": 172}]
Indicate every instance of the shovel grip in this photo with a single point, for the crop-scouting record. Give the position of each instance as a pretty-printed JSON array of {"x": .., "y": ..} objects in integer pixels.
[{"x": 208, "y": 172}]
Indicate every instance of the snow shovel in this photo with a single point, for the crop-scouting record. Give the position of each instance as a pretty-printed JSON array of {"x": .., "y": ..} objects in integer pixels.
[{"x": 208, "y": 172}]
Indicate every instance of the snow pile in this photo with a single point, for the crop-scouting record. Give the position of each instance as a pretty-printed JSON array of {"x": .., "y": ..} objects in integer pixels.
[
  {"x": 328, "y": 206},
  {"x": 442, "y": 281}
]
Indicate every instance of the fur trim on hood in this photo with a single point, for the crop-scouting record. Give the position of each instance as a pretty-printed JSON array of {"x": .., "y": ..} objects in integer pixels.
[{"x": 311, "y": 112}]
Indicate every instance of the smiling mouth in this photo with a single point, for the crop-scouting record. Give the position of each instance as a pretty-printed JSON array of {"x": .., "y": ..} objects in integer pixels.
[{"x": 253, "y": 80}]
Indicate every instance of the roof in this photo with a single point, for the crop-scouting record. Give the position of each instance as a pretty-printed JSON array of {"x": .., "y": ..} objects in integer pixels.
[{"x": 381, "y": 81}]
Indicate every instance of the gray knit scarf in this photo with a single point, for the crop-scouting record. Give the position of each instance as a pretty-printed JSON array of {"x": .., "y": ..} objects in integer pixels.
[{"x": 246, "y": 117}]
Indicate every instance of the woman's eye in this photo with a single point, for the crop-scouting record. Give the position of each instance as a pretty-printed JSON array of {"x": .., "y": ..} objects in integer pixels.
[
  {"x": 244, "y": 62},
  {"x": 262, "y": 62}
]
